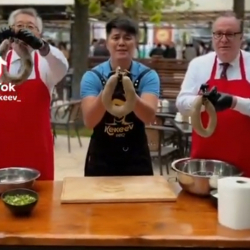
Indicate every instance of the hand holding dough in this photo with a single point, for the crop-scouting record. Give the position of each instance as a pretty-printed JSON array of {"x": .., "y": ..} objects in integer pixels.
[
  {"x": 130, "y": 95},
  {"x": 26, "y": 64},
  {"x": 196, "y": 117}
]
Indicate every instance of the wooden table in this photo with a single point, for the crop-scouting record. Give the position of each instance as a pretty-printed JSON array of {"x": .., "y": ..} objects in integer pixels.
[{"x": 189, "y": 222}]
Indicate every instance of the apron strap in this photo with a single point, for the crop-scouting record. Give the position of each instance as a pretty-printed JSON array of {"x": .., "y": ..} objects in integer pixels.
[
  {"x": 138, "y": 80},
  {"x": 213, "y": 74},
  {"x": 8, "y": 59},
  {"x": 36, "y": 65},
  {"x": 242, "y": 67},
  {"x": 99, "y": 75}
]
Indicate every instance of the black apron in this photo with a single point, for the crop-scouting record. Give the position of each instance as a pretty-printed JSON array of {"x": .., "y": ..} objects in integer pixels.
[{"x": 119, "y": 147}]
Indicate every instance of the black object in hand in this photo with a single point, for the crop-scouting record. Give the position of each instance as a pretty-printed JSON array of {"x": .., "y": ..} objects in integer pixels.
[
  {"x": 204, "y": 88},
  {"x": 6, "y": 33},
  {"x": 29, "y": 38},
  {"x": 220, "y": 101}
]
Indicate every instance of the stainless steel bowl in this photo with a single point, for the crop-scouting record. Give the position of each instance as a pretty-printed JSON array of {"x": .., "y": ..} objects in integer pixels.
[
  {"x": 200, "y": 176},
  {"x": 12, "y": 178}
]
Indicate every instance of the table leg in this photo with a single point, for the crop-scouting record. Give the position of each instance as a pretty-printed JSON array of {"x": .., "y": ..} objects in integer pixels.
[
  {"x": 187, "y": 149},
  {"x": 180, "y": 143}
]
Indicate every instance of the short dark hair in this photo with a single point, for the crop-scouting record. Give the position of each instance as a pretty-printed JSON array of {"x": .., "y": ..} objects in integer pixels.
[{"x": 122, "y": 23}]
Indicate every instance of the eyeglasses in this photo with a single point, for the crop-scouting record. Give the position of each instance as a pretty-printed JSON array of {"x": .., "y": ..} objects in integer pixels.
[
  {"x": 28, "y": 26},
  {"x": 229, "y": 36}
]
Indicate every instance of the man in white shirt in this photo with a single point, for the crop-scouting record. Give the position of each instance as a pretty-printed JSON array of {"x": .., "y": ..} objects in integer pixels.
[
  {"x": 25, "y": 132},
  {"x": 225, "y": 73}
]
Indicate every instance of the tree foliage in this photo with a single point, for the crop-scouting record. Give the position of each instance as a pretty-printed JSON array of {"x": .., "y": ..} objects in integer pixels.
[{"x": 133, "y": 8}]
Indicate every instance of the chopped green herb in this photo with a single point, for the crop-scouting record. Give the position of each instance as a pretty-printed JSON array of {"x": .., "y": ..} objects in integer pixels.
[{"x": 19, "y": 199}]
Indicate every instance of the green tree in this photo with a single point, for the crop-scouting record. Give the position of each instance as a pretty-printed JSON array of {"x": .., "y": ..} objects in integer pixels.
[{"x": 106, "y": 9}]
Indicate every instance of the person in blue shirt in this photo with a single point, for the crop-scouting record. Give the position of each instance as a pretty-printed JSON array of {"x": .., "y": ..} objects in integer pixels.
[{"x": 119, "y": 147}]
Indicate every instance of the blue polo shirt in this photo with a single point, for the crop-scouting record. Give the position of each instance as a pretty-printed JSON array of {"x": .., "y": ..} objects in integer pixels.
[{"x": 92, "y": 86}]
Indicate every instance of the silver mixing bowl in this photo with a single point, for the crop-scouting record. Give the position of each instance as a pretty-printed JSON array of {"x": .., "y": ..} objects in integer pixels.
[
  {"x": 200, "y": 176},
  {"x": 11, "y": 178}
]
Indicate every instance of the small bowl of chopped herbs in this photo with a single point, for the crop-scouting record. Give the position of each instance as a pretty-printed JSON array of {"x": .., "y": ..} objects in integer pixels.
[{"x": 20, "y": 201}]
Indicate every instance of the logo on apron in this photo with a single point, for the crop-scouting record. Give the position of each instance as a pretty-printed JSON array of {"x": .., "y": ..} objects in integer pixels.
[{"x": 119, "y": 127}]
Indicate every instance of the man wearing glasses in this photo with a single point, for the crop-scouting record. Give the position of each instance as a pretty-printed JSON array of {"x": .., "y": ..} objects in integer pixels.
[
  {"x": 25, "y": 133},
  {"x": 226, "y": 74}
]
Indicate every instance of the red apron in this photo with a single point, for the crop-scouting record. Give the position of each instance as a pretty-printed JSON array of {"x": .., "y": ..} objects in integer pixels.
[
  {"x": 231, "y": 139},
  {"x": 25, "y": 132}
]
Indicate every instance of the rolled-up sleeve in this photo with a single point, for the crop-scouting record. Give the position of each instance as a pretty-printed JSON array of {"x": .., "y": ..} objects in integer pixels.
[
  {"x": 189, "y": 88},
  {"x": 242, "y": 105}
]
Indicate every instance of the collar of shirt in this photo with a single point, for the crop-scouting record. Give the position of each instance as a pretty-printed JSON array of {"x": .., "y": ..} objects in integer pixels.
[{"x": 235, "y": 62}]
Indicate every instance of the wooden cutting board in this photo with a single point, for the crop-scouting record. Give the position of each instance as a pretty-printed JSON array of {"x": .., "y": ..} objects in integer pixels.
[{"x": 116, "y": 189}]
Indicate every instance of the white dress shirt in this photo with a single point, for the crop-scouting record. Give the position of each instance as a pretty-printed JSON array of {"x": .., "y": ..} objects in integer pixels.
[
  {"x": 199, "y": 72},
  {"x": 52, "y": 67}
]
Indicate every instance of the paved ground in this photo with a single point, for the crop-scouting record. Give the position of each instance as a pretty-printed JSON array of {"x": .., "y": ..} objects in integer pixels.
[
  {"x": 69, "y": 164},
  {"x": 72, "y": 164}
]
